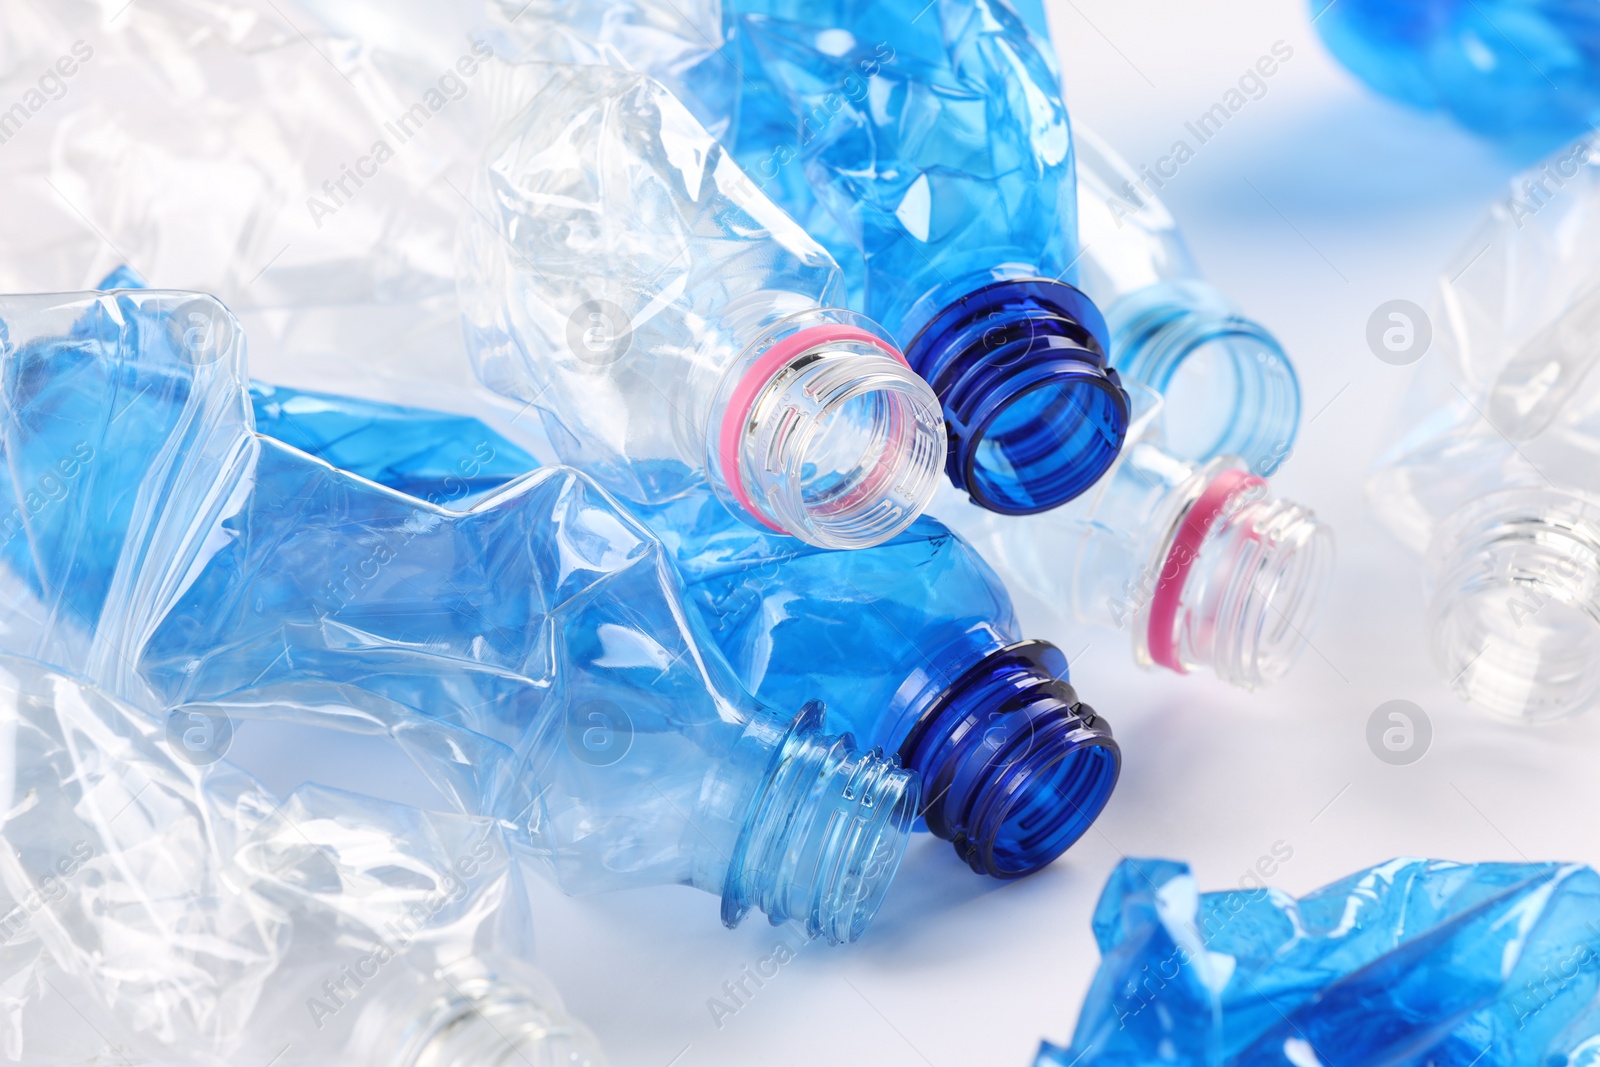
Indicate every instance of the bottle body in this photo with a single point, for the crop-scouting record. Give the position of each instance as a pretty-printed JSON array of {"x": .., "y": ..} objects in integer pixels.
[
  {"x": 1494, "y": 478},
  {"x": 1197, "y": 562},
  {"x": 671, "y": 326},
  {"x": 1516, "y": 70},
  {"x": 542, "y": 619}
]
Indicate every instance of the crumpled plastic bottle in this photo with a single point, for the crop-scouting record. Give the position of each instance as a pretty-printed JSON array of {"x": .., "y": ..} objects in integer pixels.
[
  {"x": 1407, "y": 963},
  {"x": 1017, "y": 766},
  {"x": 1199, "y": 562},
  {"x": 1519, "y": 70},
  {"x": 1230, "y": 387},
  {"x": 928, "y": 149},
  {"x": 1496, "y": 476},
  {"x": 620, "y": 274},
  {"x": 173, "y": 554},
  {"x": 189, "y": 916}
]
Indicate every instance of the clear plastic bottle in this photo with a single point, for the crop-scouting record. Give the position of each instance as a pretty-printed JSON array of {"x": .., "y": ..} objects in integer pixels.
[
  {"x": 168, "y": 548},
  {"x": 1200, "y": 563},
  {"x": 1496, "y": 475},
  {"x": 1519, "y": 70},
  {"x": 952, "y": 685},
  {"x": 620, "y": 274},
  {"x": 1230, "y": 387},
  {"x": 199, "y": 919}
]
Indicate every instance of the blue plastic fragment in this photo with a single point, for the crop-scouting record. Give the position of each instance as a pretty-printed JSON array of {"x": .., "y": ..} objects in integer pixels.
[{"x": 1420, "y": 963}]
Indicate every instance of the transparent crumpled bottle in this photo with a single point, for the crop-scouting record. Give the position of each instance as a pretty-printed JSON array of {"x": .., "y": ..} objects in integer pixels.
[
  {"x": 1016, "y": 766},
  {"x": 671, "y": 325},
  {"x": 1496, "y": 475},
  {"x": 170, "y": 548},
  {"x": 190, "y": 916},
  {"x": 1520, "y": 70},
  {"x": 929, "y": 151},
  {"x": 1200, "y": 562}
]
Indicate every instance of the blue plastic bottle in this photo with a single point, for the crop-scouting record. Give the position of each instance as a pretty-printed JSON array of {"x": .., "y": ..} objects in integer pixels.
[
  {"x": 166, "y": 551},
  {"x": 1015, "y": 766},
  {"x": 1525, "y": 71},
  {"x": 935, "y": 138}
]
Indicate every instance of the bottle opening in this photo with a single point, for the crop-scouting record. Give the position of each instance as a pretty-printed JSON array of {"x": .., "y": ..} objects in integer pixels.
[
  {"x": 831, "y": 438},
  {"x": 1241, "y": 583},
  {"x": 1515, "y": 612},
  {"x": 1035, "y": 415},
  {"x": 1015, "y": 767},
  {"x": 825, "y": 835},
  {"x": 1230, "y": 387}
]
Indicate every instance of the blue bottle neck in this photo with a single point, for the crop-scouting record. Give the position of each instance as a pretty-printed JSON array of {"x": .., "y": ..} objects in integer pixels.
[
  {"x": 1014, "y": 767},
  {"x": 1035, "y": 414}
]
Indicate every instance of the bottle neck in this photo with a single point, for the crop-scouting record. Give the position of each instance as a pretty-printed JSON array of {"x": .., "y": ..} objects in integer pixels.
[
  {"x": 1235, "y": 580},
  {"x": 1230, "y": 386},
  {"x": 820, "y": 430},
  {"x": 1034, "y": 413},
  {"x": 823, "y": 831},
  {"x": 1015, "y": 768},
  {"x": 477, "y": 1020},
  {"x": 1514, "y": 606}
]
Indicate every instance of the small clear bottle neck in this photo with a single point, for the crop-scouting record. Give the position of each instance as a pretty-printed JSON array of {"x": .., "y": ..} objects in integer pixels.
[
  {"x": 476, "y": 1018},
  {"x": 1230, "y": 388},
  {"x": 1514, "y": 604},
  {"x": 1229, "y": 578},
  {"x": 820, "y": 430},
  {"x": 819, "y": 828}
]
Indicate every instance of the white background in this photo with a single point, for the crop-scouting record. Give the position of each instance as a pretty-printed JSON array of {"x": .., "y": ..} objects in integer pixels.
[{"x": 1313, "y": 205}]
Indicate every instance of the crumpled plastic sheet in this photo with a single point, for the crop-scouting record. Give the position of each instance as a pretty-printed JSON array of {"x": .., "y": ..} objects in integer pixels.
[{"x": 1412, "y": 962}]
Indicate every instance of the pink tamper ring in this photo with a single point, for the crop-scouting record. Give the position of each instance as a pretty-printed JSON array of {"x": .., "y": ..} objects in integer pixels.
[
  {"x": 1202, "y": 516},
  {"x": 756, "y": 378}
]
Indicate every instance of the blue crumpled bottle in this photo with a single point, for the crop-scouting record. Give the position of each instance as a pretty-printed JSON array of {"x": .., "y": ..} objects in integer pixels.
[
  {"x": 166, "y": 551},
  {"x": 1409, "y": 963},
  {"x": 935, "y": 138},
  {"x": 1015, "y": 766},
  {"x": 1518, "y": 70}
]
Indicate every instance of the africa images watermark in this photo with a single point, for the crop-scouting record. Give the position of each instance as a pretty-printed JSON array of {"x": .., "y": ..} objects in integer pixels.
[
  {"x": 1252, "y": 85},
  {"x": 52, "y": 86},
  {"x": 451, "y": 86}
]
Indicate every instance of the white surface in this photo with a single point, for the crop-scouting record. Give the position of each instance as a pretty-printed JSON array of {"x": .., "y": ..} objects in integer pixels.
[{"x": 1313, "y": 205}]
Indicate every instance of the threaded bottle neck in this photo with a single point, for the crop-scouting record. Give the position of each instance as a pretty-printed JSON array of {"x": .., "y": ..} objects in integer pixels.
[
  {"x": 824, "y": 433},
  {"x": 1240, "y": 579},
  {"x": 1034, "y": 413},
  {"x": 1514, "y": 610},
  {"x": 480, "y": 1022},
  {"x": 824, "y": 836},
  {"x": 1015, "y": 768},
  {"x": 1231, "y": 389}
]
